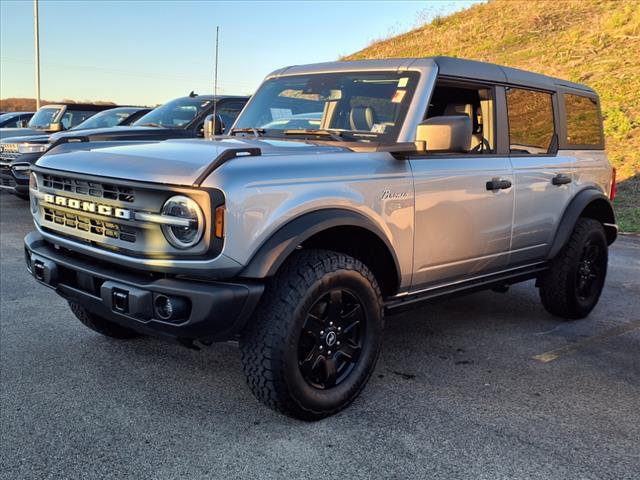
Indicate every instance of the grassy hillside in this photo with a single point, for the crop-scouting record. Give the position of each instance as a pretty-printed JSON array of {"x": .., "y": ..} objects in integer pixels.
[{"x": 587, "y": 41}]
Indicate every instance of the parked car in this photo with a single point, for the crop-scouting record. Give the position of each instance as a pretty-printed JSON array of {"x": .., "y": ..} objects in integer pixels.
[
  {"x": 19, "y": 153},
  {"x": 55, "y": 118},
  {"x": 15, "y": 119},
  {"x": 429, "y": 177}
]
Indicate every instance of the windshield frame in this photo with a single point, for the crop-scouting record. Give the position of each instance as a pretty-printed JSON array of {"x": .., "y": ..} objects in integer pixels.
[
  {"x": 59, "y": 112},
  {"x": 411, "y": 88}
]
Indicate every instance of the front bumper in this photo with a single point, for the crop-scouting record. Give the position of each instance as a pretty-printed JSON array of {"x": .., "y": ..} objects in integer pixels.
[
  {"x": 17, "y": 181},
  {"x": 14, "y": 182},
  {"x": 216, "y": 311}
]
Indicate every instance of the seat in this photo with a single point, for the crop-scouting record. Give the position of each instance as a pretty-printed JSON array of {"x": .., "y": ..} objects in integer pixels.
[
  {"x": 478, "y": 142},
  {"x": 361, "y": 118}
]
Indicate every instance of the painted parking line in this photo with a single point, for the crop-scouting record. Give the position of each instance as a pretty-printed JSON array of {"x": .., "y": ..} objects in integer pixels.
[{"x": 574, "y": 347}]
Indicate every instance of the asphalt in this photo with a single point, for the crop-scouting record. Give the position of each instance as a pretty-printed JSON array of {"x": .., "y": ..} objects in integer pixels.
[{"x": 486, "y": 386}]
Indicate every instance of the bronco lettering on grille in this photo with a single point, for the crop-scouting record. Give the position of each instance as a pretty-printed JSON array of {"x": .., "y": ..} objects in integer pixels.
[{"x": 92, "y": 207}]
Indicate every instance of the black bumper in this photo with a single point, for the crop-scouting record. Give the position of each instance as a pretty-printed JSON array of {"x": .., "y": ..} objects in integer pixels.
[
  {"x": 14, "y": 182},
  {"x": 213, "y": 311}
]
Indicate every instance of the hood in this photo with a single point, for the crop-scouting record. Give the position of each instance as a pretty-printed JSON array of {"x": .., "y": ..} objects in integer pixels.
[
  {"x": 29, "y": 139},
  {"x": 176, "y": 162},
  {"x": 18, "y": 132},
  {"x": 124, "y": 133}
]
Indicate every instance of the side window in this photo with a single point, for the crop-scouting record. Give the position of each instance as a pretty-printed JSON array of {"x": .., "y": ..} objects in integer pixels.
[
  {"x": 583, "y": 120},
  {"x": 531, "y": 126},
  {"x": 476, "y": 103}
]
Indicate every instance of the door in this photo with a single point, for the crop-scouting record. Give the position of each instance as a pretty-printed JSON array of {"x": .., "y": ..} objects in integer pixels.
[
  {"x": 463, "y": 201},
  {"x": 543, "y": 178}
]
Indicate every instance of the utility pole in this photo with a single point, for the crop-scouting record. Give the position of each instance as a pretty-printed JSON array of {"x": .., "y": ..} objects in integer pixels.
[
  {"x": 215, "y": 78},
  {"x": 37, "y": 40}
]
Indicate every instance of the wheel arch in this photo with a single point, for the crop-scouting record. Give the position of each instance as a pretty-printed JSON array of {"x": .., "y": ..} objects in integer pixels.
[
  {"x": 334, "y": 229},
  {"x": 590, "y": 203}
]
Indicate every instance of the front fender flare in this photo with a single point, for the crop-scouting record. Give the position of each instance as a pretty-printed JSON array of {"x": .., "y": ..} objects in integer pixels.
[{"x": 274, "y": 251}]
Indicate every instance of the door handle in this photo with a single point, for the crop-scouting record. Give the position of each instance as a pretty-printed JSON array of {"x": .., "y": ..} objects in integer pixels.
[
  {"x": 561, "y": 179},
  {"x": 498, "y": 184}
]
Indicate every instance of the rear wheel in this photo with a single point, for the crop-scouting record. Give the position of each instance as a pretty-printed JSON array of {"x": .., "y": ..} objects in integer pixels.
[
  {"x": 572, "y": 286},
  {"x": 316, "y": 335},
  {"x": 102, "y": 325}
]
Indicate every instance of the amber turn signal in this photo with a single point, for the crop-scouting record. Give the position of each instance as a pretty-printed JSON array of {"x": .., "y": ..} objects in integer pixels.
[{"x": 220, "y": 221}]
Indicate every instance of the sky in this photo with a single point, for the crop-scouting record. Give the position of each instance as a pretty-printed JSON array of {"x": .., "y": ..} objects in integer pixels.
[{"x": 147, "y": 52}]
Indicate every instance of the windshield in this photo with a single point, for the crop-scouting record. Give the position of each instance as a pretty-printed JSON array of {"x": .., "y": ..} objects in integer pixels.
[
  {"x": 176, "y": 113},
  {"x": 7, "y": 116},
  {"x": 357, "y": 106},
  {"x": 107, "y": 118},
  {"x": 44, "y": 117}
]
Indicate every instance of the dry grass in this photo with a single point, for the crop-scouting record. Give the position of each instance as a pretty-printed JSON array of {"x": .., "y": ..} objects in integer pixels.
[{"x": 587, "y": 41}]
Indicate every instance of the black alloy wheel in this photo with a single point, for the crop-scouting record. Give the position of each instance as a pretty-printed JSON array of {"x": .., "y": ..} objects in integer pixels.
[{"x": 331, "y": 340}]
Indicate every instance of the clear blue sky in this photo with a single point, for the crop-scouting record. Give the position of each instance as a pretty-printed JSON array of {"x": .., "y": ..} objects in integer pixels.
[{"x": 146, "y": 52}]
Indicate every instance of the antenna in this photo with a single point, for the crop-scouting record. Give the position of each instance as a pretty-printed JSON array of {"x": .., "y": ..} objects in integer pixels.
[{"x": 215, "y": 81}]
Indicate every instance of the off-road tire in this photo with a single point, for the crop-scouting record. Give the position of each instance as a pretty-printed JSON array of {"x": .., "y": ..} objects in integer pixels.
[
  {"x": 559, "y": 285},
  {"x": 270, "y": 344},
  {"x": 102, "y": 325}
]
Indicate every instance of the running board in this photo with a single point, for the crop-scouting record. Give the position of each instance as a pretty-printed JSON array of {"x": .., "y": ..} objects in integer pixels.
[{"x": 507, "y": 277}]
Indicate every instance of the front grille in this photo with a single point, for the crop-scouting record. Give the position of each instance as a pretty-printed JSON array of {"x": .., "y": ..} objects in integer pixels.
[
  {"x": 9, "y": 152},
  {"x": 93, "y": 189},
  {"x": 91, "y": 225},
  {"x": 9, "y": 156}
]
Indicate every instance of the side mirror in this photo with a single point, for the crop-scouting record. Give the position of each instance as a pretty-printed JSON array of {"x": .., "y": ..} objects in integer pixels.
[
  {"x": 213, "y": 125},
  {"x": 55, "y": 127},
  {"x": 448, "y": 133}
]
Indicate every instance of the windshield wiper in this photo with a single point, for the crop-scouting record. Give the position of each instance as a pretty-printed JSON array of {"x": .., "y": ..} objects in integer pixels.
[
  {"x": 257, "y": 132},
  {"x": 332, "y": 134},
  {"x": 150, "y": 124}
]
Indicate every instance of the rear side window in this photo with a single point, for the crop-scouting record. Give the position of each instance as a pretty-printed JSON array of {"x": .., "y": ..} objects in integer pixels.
[
  {"x": 583, "y": 120},
  {"x": 530, "y": 121}
]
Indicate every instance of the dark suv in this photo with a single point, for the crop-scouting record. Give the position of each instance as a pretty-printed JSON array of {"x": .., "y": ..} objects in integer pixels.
[
  {"x": 179, "y": 118},
  {"x": 17, "y": 154},
  {"x": 55, "y": 118},
  {"x": 15, "y": 119}
]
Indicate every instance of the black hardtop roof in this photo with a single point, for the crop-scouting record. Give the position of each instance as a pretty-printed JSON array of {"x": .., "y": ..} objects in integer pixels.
[
  {"x": 458, "y": 67},
  {"x": 212, "y": 97},
  {"x": 81, "y": 106}
]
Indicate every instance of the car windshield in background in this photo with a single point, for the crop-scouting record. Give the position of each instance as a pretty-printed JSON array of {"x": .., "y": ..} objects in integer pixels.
[
  {"x": 176, "y": 113},
  {"x": 358, "y": 106},
  {"x": 106, "y": 119},
  {"x": 44, "y": 117},
  {"x": 71, "y": 118},
  {"x": 7, "y": 116}
]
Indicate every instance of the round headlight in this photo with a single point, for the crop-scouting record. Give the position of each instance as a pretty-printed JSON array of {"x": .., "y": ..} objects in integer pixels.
[{"x": 189, "y": 232}]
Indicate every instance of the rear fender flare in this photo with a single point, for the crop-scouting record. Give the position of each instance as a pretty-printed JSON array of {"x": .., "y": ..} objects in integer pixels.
[{"x": 593, "y": 202}]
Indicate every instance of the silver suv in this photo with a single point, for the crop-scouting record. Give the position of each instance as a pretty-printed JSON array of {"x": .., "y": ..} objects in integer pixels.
[{"x": 344, "y": 191}]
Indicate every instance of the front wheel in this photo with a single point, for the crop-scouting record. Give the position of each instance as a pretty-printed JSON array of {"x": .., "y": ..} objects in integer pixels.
[
  {"x": 316, "y": 335},
  {"x": 572, "y": 286}
]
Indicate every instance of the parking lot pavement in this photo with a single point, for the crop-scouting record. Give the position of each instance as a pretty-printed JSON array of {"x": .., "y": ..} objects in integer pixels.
[{"x": 483, "y": 386}]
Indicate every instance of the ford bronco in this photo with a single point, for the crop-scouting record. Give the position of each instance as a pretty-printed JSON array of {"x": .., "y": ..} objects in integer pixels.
[{"x": 401, "y": 181}]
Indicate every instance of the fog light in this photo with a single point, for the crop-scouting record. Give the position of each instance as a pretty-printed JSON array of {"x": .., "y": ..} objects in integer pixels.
[{"x": 169, "y": 308}]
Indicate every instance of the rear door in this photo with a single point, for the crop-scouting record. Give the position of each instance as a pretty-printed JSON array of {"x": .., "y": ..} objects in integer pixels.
[{"x": 543, "y": 178}]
